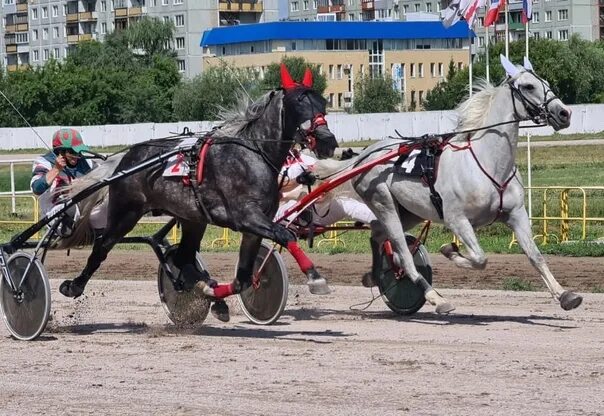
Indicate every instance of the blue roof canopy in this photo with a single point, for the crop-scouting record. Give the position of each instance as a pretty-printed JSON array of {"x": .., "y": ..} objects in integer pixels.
[{"x": 332, "y": 30}]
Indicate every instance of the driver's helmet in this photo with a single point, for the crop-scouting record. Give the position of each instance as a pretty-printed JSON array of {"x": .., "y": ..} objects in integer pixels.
[{"x": 68, "y": 139}]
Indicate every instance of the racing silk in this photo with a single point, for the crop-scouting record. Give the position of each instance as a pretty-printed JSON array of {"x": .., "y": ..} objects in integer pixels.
[
  {"x": 49, "y": 194},
  {"x": 297, "y": 164}
]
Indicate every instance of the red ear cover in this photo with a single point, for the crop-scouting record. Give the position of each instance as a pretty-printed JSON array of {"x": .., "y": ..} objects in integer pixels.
[
  {"x": 286, "y": 79},
  {"x": 307, "y": 81}
]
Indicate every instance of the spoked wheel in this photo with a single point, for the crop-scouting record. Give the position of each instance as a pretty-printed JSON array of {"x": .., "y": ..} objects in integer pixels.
[
  {"x": 402, "y": 295},
  {"x": 264, "y": 302},
  {"x": 26, "y": 311},
  {"x": 186, "y": 308}
]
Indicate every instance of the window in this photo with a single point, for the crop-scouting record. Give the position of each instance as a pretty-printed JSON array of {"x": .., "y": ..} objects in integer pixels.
[
  {"x": 548, "y": 16},
  {"x": 45, "y": 33},
  {"x": 536, "y": 35},
  {"x": 34, "y": 34},
  {"x": 45, "y": 56},
  {"x": 103, "y": 6},
  {"x": 165, "y": 2},
  {"x": 459, "y": 66},
  {"x": 412, "y": 70},
  {"x": 55, "y": 32},
  {"x": 56, "y": 53},
  {"x": 417, "y": 6},
  {"x": 535, "y": 17},
  {"x": 180, "y": 43},
  {"x": 563, "y": 34},
  {"x": 548, "y": 34},
  {"x": 314, "y": 4},
  {"x": 563, "y": 14},
  {"x": 438, "y": 7},
  {"x": 167, "y": 19},
  {"x": 44, "y": 12},
  {"x": 480, "y": 41},
  {"x": 421, "y": 97},
  {"x": 480, "y": 21},
  {"x": 22, "y": 37},
  {"x": 433, "y": 70},
  {"x": 340, "y": 73},
  {"x": 176, "y": 2},
  {"x": 65, "y": 12},
  {"x": 36, "y": 55},
  {"x": 294, "y": 46},
  {"x": 294, "y": 6},
  {"x": 179, "y": 19},
  {"x": 429, "y": 7},
  {"x": 413, "y": 98},
  {"x": 34, "y": 14},
  {"x": 405, "y": 8},
  {"x": 421, "y": 70},
  {"x": 55, "y": 11},
  {"x": 441, "y": 71},
  {"x": 305, "y": 4},
  {"x": 351, "y": 16},
  {"x": 103, "y": 28},
  {"x": 65, "y": 51},
  {"x": 181, "y": 65},
  {"x": 332, "y": 74}
]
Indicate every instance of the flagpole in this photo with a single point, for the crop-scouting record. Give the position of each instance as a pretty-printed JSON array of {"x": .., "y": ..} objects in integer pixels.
[
  {"x": 526, "y": 37},
  {"x": 470, "y": 65},
  {"x": 507, "y": 33},
  {"x": 486, "y": 45}
]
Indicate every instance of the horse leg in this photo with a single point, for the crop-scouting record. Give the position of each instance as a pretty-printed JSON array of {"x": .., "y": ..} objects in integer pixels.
[
  {"x": 115, "y": 231},
  {"x": 192, "y": 233},
  {"x": 519, "y": 222},
  {"x": 387, "y": 213},
  {"x": 474, "y": 258}
]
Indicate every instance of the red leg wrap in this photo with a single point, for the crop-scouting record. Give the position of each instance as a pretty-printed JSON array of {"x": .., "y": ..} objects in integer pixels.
[
  {"x": 223, "y": 290},
  {"x": 303, "y": 261}
]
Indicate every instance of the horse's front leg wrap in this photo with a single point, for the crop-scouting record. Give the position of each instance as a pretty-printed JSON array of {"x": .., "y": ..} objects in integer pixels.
[{"x": 300, "y": 256}]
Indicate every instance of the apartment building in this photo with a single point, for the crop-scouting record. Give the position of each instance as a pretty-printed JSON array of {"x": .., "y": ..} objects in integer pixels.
[
  {"x": 553, "y": 19},
  {"x": 415, "y": 54},
  {"x": 34, "y": 31}
]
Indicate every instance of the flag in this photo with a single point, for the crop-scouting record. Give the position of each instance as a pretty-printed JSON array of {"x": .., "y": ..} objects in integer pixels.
[
  {"x": 527, "y": 11},
  {"x": 493, "y": 13},
  {"x": 461, "y": 8}
]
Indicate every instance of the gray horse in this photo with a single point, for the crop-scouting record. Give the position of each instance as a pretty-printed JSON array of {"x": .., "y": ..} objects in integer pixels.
[{"x": 477, "y": 179}]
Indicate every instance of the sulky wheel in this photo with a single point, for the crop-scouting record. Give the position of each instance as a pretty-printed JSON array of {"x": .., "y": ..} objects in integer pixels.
[
  {"x": 264, "y": 302},
  {"x": 186, "y": 308},
  {"x": 402, "y": 295},
  {"x": 25, "y": 311}
]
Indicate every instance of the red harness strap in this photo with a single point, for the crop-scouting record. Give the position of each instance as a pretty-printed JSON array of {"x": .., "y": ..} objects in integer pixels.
[
  {"x": 205, "y": 146},
  {"x": 499, "y": 187}
]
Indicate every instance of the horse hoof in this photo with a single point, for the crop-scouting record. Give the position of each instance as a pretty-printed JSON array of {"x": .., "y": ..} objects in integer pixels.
[
  {"x": 448, "y": 250},
  {"x": 570, "y": 300},
  {"x": 71, "y": 290},
  {"x": 205, "y": 288},
  {"x": 220, "y": 310},
  {"x": 367, "y": 280},
  {"x": 318, "y": 286},
  {"x": 444, "y": 308}
]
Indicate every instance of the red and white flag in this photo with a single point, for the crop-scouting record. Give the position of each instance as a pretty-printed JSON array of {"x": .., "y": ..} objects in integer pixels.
[
  {"x": 458, "y": 9},
  {"x": 493, "y": 12},
  {"x": 527, "y": 11}
]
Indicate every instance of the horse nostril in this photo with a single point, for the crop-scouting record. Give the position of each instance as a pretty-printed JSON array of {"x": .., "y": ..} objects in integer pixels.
[{"x": 564, "y": 114}]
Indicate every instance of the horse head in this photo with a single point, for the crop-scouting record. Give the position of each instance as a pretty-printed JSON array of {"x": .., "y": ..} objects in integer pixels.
[
  {"x": 533, "y": 98},
  {"x": 304, "y": 114}
]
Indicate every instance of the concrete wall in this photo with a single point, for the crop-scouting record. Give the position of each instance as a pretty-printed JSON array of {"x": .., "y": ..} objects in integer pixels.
[{"x": 347, "y": 127}]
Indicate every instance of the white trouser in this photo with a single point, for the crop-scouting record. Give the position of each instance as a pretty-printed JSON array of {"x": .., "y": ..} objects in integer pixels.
[
  {"x": 98, "y": 215},
  {"x": 333, "y": 210}
]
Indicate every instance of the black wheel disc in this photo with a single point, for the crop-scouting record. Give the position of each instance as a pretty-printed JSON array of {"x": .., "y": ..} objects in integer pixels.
[
  {"x": 186, "y": 308},
  {"x": 26, "y": 311},
  {"x": 264, "y": 304},
  {"x": 402, "y": 295}
]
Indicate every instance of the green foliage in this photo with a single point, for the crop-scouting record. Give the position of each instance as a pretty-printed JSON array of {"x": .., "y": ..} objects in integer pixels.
[
  {"x": 217, "y": 87},
  {"x": 151, "y": 36},
  {"x": 572, "y": 68},
  {"x": 297, "y": 67},
  {"x": 517, "y": 284},
  {"x": 98, "y": 83},
  {"x": 375, "y": 95}
]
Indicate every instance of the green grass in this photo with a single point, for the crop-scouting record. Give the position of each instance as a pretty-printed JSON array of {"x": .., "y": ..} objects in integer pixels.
[
  {"x": 560, "y": 166},
  {"x": 517, "y": 284}
]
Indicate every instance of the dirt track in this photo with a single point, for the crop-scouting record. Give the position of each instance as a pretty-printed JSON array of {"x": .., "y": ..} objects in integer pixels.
[{"x": 500, "y": 353}]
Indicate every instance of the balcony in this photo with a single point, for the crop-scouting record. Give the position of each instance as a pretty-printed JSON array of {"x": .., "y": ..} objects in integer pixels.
[
  {"x": 368, "y": 5},
  {"x": 331, "y": 6},
  {"x": 87, "y": 16},
  {"x": 125, "y": 12},
  {"x": 15, "y": 67},
  {"x": 72, "y": 17},
  {"x": 248, "y": 6},
  {"x": 22, "y": 7},
  {"x": 11, "y": 48}
]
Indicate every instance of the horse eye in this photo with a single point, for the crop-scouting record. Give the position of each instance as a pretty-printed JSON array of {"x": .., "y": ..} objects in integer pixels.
[{"x": 529, "y": 87}]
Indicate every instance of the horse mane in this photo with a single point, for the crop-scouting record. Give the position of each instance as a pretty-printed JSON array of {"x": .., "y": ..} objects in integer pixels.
[
  {"x": 83, "y": 234},
  {"x": 244, "y": 113},
  {"x": 473, "y": 112}
]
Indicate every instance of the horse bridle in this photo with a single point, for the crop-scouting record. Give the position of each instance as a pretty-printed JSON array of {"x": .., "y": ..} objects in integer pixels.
[
  {"x": 538, "y": 113},
  {"x": 306, "y": 130}
]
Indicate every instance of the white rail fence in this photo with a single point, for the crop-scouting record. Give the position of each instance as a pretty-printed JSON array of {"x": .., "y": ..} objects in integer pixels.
[{"x": 347, "y": 127}]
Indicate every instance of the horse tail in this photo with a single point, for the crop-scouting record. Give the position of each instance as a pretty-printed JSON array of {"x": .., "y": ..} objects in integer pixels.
[{"x": 83, "y": 234}]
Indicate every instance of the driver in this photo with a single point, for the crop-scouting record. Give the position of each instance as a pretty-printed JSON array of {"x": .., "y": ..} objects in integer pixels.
[{"x": 56, "y": 170}]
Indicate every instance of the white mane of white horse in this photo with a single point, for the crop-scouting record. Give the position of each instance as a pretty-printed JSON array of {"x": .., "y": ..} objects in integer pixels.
[{"x": 473, "y": 112}]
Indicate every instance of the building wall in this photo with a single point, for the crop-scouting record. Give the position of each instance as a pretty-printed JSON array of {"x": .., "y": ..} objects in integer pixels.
[{"x": 342, "y": 69}]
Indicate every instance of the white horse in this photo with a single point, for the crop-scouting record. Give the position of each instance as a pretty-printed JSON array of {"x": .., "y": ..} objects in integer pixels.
[{"x": 477, "y": 179}]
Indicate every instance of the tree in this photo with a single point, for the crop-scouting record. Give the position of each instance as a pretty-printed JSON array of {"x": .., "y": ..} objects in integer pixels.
[
  {"x": 151, "y": 35},
  {"x": 449, "y": 92},
  {"x": 375, "y": 95},
  {"x": 203, "y": 97},
  {"x": 297, "y": 67}
]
